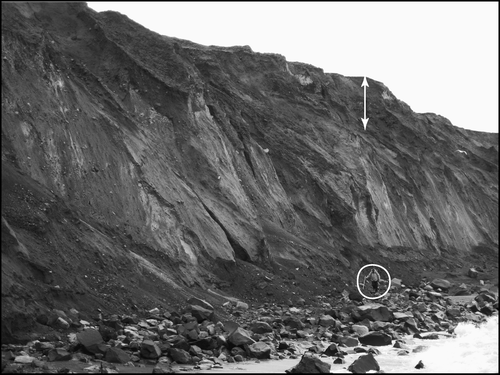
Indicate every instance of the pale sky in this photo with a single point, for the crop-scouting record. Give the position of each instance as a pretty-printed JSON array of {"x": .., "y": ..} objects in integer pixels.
[{"x": 439, "y": 57}]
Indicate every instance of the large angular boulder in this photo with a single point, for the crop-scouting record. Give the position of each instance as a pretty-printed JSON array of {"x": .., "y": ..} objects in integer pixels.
[
  {"x": 461, "y": 290},
  {"x": 42, "y": 346},
  {"x": 195, "y": 350},
  {"x": 91, "y": 340},
  {"x": 453, "y": 312},
  {"x": 241, "y": 306},
  {"x": 107, "y": 332},
  {"x": 413, "y": 293},
  {"x": 434, "y": 296},
  {"x": 326, "y": 320},
  {"x": 260, "y": 350},
  {"x": 372, "y": 312},
  {"x": 418, "y": 315},
  {"x": 319, "y": 347},
  {"x": 238, "y": 351},
  {"x": 360, "y": 329},
  {"x": 486, "y": 295},
  {"x": 59, "y": 323},
  {"x": 208, "y": 343},
  {"x": 163, "y": 368},
  {"x": 240, "y": 337},
  {"x": 154, "y": 311},
  {"x": 180, "y": 342},
  {"x": 419, "y": 365},
  {"x": 348, "y": 341},
  {"x": 344, "y": 315},
  {"x": 293, "y": 322},
  {"x": 117, "y": 355},
  {"x": 54, "y": 314},
  {"x": 58, "y": 354},
  {"x": 366, "y": 323},
  {"x": 310, "y": 365},
  {"x": 421, "y": 306},
  {"x": 189, "y": 331},
  {"x": 472, "y": 306},
  {"x": 364, "y": 364},
  {"x": 260, "y": 327},
  {"x": 378, "y": 325},
  {"x": 113, "y": 322},
  {"x": 402, "y": 315},
  {"x": 332, "y": 350},
  {"x": 487, "y": 309},
  {"x": 396, "y": 283},
  {"x": 127, "y": 319},
  {"x": 355, "y": 296},
  {"x": 375, "y": 339},
  {"x": 441, "y": 283},
  {"x": 411, "y": 326},
  {"x": 230, "y": 326},
  {"x": 150, "y": 350},
  {"x": 472, "y": 273},
  {"x": 201, "y": 313},
  {"x": 24, "y": 359},
  {"x": 360, "y": 349},
  {"x": 180, "y": 355},
  {"x": 193, "y": 301}
]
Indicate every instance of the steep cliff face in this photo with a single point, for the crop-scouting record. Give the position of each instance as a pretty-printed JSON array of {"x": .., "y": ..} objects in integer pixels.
[{"x": 129, "y": 157}]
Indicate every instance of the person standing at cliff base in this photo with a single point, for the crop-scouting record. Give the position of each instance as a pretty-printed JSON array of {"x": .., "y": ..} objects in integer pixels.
[{"x": 374, "y": 276}]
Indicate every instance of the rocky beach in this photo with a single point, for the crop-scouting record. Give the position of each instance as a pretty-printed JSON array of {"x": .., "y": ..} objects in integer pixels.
[{"x": 309, "y": 338}]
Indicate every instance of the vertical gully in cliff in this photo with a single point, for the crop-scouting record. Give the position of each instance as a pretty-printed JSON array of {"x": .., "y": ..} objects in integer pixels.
[{"x": 239, "y": 251}]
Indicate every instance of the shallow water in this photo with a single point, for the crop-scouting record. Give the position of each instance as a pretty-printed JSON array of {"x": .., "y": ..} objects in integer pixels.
[{"x": 473, "y": 350}]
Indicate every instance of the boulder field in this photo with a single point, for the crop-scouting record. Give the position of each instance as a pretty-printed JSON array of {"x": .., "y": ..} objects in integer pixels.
[{"x": 194, "y": 338}]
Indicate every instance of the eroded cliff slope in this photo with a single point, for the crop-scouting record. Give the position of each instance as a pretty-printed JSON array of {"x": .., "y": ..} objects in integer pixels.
[{"x": 138, "y": 169}]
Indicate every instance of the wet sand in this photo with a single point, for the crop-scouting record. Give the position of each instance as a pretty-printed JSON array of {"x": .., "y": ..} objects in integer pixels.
[{"x": 262, "y": 366}]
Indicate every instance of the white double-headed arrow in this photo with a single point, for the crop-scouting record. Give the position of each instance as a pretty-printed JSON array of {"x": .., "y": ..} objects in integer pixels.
[{"x": 364, "y": 119}]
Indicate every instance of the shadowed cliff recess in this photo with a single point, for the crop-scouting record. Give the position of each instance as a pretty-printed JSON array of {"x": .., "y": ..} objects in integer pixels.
[{"x": 139, "y": 170}]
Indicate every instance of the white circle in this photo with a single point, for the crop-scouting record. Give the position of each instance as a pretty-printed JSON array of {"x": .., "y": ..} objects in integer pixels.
[{"x": 373, "y": 265}]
